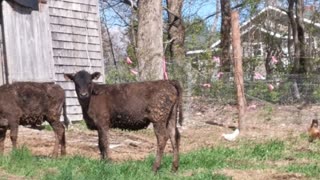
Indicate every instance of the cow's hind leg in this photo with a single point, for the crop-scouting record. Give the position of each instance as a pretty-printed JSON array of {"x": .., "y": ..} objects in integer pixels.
[
  {"x": 3, "y": 131},
  {"x": 174, "y": 137},
  {"x": 60, "y": 137},
  {"x": 161, "y": 132}
]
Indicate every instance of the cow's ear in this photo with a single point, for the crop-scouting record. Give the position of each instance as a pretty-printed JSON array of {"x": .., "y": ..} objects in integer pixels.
[
  {"x": 95, "y": 75},
  {"x": 69, "y": 76}
]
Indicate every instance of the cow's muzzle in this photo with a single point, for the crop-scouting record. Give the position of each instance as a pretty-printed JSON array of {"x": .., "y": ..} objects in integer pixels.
[{"x": 83, "y": 95}]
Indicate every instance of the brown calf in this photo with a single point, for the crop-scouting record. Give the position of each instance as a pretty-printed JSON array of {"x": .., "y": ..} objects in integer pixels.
[
  {"x": 131, "y": 106},
  {"x": 30, "y": 103}
]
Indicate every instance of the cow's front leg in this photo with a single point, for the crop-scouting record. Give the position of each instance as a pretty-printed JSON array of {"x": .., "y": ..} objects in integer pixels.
[
  {"x": 103, "y": 133},
  {"x": 14, "y": 135}
]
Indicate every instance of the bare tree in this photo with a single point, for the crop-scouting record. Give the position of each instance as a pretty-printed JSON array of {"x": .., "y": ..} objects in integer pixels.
[
  {"x": 176, "y": 29},
  {"x": 301, "y": 38},
  {"x": 295, "y": 13},
  {"x": 149, "y": 40},
  {"x": 225, "y": 35},
  {"x": 238, "y": 71},
  {"x": 215, "y": 21},
  {"x": 297, "y": 26},
  {"x": 107, "y": 45}
]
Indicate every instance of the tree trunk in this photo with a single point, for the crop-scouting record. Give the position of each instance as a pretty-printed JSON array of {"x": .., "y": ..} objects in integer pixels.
[
  {"x": 300, "y": 61},
  {"x": 267, "y": 63},
  {"x": 176, "y": 30},
  {"x": 289, "y": 43},
  {"x": 297, "y": 25},
  {"x": 225, "y": 36},
  {"x": 149, "y": 40},
  {"x": 238, "y": 71},
  {"x": 215, "y": 20},
  {"x": 111, "y": 46},
  {"x": 296, "y": 62},
  {"x": 301, "y": 39}
]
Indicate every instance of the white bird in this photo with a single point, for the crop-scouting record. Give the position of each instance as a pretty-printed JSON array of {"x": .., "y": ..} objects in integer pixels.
[
  {"x": 232, "y": 136},
  {"x": 112, "y": 146}
]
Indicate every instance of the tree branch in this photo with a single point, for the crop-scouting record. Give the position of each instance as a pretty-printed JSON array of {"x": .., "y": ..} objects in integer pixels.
[
  {"x": 169, "y": 11},
  {"x": 130, "y": 3},
  {"x": 232, "y": 8},
  {"x": 123, "y": 19}
]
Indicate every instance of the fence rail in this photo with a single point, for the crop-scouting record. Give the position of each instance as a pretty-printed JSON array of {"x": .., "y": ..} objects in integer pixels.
[{"x": 276, "y": 89}]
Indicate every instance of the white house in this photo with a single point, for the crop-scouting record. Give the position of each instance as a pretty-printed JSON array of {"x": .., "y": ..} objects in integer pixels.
[{"x": 268, "y": 31}]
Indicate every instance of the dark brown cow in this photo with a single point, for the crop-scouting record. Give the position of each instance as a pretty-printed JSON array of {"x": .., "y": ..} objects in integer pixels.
[
  {"x": 30, "y": 103},
  {"x": 131, "y": 106}
]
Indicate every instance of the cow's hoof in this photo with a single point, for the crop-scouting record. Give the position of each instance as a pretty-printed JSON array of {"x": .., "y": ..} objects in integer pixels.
[
  {"x": 155, "y": 168},
  {"x": 174, "y": 169},
  {"x": 54, "y": 155}
]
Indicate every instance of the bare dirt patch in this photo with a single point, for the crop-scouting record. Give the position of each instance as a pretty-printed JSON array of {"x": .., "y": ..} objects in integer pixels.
[
  {"x": 266, "y": 174},
  {"x": 6, "y": 176},
  {"x": 262, "y": 122}
]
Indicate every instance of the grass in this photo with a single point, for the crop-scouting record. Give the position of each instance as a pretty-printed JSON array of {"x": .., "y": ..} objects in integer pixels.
[
  {"x": 201, "y": 164},
  {"x": 48, "y": 127}
]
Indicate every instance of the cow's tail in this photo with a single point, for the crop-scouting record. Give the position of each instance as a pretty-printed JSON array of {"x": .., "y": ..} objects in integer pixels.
[
  {"x": 66, "y": 120},
  {"x": 177, "y": 85}
]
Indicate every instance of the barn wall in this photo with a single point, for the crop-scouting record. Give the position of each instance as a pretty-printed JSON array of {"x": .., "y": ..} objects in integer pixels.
[
  {"x": 28, "y": 44},
  {"x": 76, "y": 41},
  {"x": 2, "y": 62}
]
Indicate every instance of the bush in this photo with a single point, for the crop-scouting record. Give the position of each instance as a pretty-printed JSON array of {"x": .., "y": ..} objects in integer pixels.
[
  {"x": 121, "y": 74},
  {"x": 260, "y": 90}
]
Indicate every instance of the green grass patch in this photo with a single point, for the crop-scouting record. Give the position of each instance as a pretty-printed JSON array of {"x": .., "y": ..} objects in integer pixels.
[
  {"x": 309, "y": 169},
  {"x": 200, "y": 164},
  {"x": 48, "y": 127},
  {"x": 269, "y": 151}
]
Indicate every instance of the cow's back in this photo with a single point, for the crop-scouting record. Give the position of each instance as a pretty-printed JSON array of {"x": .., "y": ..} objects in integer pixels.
[
  {"x": 37, "y": 98},
  {"x": 30, "y": 101},
  {"x": 130, "y": 104},
  {"x": 136, "y": 97}
]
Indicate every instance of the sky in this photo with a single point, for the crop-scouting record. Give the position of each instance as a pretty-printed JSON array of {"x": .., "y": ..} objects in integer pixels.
[
  {"x": 200, "y": 8},
  {"x": 192, "y": 8}
]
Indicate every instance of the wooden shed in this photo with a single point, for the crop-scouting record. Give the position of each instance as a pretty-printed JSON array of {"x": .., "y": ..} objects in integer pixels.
[{"x": 43, "y": 39}]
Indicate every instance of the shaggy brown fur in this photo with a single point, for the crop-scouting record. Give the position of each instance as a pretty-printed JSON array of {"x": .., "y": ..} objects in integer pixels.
[
  {"x": 313, "y": 131},
  {"x": 131, "y": 106},
  {"x": 30, "y": 103}
]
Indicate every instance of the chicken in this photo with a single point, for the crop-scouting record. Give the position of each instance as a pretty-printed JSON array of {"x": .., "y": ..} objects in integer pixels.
[
  {"x": 313, "y": 131},
  {"x": 232, "y": 136}
]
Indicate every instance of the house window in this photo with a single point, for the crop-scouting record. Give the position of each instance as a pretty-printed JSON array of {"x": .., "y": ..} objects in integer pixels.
[
  {"x": 252, "y": 49},
  {"x": 257, "y": 49}
]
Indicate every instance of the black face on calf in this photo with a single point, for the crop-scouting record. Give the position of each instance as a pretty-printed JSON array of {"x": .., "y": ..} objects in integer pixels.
[{"x": 83, "y": 82}]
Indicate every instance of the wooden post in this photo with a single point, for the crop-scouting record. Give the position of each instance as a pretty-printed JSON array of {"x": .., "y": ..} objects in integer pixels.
[{"x": 238, "y": 71}]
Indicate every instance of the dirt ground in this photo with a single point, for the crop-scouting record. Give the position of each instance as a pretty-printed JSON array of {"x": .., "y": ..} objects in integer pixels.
[{"x": 203, "y": 126}]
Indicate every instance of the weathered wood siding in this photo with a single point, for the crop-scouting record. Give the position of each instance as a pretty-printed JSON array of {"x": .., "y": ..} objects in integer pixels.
[
  {"x": 2, "y": 64},
  {"x": 76, "y": 41},
  {"x": 28, "y": 43}
]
